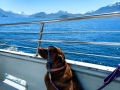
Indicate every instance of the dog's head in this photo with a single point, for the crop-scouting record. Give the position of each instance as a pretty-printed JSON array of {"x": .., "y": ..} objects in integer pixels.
[{"x": 56, "y": 55}]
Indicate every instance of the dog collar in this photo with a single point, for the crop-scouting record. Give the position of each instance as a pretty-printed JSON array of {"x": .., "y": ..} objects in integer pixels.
[{"x": 56, "y": 69}]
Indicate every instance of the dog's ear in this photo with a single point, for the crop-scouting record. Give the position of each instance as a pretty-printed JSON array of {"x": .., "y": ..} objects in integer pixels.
[
  {"x": 61, "y": 53},
  {"x": 43, "y": 52},
  {"x": 61, "y": 56},
  {"x": 59, "y": 61}
]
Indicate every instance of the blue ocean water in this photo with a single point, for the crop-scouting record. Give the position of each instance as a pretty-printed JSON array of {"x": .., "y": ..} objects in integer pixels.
[{"x": 105, "y": 24}]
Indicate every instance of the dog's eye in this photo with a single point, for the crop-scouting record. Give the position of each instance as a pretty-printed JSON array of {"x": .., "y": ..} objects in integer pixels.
[{"x": 52, "y": 50}]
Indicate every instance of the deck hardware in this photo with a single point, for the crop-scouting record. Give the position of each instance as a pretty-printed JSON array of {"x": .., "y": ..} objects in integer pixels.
[{"x": 15, "y": 82}]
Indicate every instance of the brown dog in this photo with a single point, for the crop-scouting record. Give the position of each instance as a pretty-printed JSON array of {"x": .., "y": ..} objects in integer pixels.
[{"x": 60, "y": 73}]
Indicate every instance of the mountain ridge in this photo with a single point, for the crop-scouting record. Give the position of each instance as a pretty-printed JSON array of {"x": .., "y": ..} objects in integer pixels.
[
  {"x": 107, "y": 9},
  {"x": 8, "y": 14},
  {"x": 63, "y": 14}
]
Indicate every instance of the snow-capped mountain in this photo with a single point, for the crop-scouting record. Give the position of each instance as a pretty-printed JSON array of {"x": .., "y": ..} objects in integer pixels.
[
  {"x": 23, "y": 13},
  {"x": 8, "y": 14},
  {"x": 117, "y": 3},
  {"x": 107, "y": 9}
]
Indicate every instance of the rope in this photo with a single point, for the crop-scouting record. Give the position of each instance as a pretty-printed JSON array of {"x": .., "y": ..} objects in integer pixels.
[{"x": 111, "y": 77}]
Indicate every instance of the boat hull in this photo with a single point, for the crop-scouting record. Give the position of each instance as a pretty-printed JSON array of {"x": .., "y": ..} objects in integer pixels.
[{"x": 32, "y": 69}]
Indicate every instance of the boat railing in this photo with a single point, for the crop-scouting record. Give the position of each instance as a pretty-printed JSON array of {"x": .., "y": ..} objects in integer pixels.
[{"x": 42, "y": 23}]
